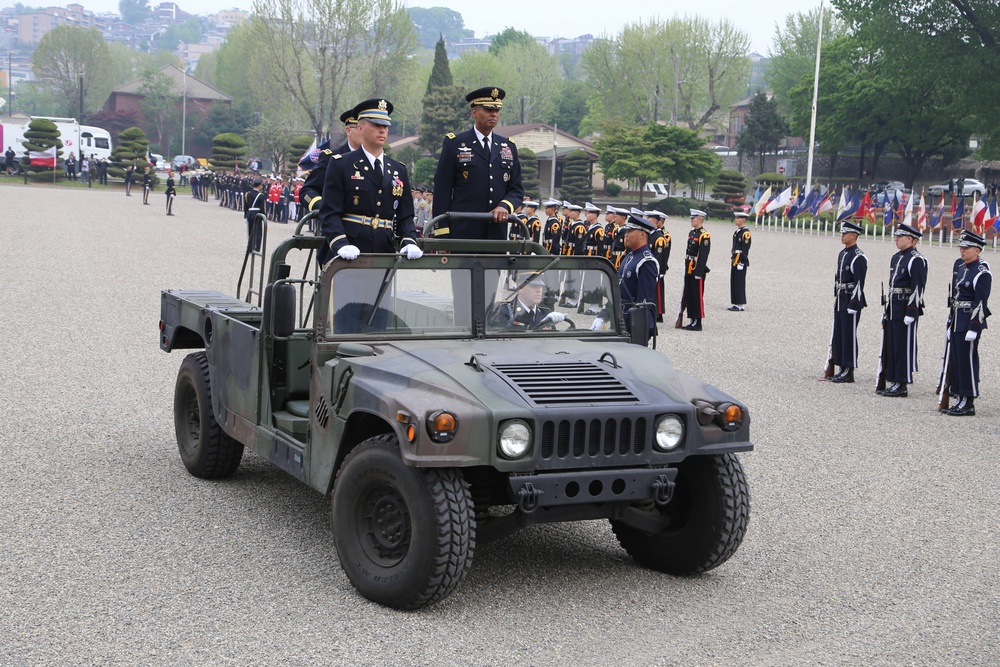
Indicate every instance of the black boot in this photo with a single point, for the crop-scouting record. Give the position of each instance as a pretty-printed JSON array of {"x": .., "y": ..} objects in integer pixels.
[
  {"x": 694, "y": 326},
  {"x": 964, "y": 408},
  {"x": 896, "y": 390},
  {"x": 845, "y": 375}
]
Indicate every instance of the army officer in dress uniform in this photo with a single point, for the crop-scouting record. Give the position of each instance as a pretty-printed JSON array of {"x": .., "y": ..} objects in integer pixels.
[
  {"x": 849, "y": 299},
  {"x": 317, "y": 160},
  {"x": 367, "y": 204},
  {"x": 971, "y": 284},
  {"x": 478, "y": 171},
  {"x": 525, "y": 311},
  {"x": 740, "y": 263},
  {"x": 699, "y": 244},
  {"x": 904, "y": 306}
]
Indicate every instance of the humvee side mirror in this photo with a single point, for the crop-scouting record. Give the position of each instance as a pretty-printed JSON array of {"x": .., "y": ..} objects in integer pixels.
[
  {"x": 281, "y": 302},
  {"x": 638, "y": 324}
]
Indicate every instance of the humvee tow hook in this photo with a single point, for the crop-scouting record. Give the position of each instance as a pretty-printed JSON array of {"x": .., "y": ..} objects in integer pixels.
[
  {"x": 663, "y": 490},
  {"x": 527, "y": 498}
]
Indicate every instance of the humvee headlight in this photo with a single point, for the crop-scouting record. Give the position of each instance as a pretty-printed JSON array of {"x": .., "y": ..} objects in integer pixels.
[
  {"x": 669, "y": 432},
  {"x": 441, "y": 426},
  {"x": 515, "y": 440}
]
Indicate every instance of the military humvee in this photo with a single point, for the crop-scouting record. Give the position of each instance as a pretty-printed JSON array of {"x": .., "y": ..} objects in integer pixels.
[{"x": 440, "y": 411}]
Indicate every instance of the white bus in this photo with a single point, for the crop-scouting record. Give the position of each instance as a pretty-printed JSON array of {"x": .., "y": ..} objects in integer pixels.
[{"x": 81, "y": 139}]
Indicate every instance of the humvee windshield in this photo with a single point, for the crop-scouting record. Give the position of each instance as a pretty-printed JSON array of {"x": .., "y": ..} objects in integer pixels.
[{"x": 402, "y": 301}]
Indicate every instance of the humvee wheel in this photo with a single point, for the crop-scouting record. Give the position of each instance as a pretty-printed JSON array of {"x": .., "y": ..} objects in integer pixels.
[
  {"x": 704, "y": 522},
  {"x": 205, "y": 449},
  {"x": 405, "y": 536}
]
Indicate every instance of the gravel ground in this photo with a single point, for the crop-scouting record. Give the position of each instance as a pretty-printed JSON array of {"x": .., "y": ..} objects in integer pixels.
[{"x": 872, "y": 540}]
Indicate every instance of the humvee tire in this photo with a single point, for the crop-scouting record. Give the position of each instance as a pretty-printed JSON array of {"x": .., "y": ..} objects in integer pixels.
[
  {"x": 205, "y": 449},
  {"x": 405, "y": 536},
  {"x": 707, "y": 517}
]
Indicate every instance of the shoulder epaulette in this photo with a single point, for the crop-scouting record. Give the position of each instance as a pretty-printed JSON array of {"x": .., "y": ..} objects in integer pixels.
[
  {"x": 450, "y": 135},
  {"x": 326, "y": 151},
  {"x": 337, "y": 156}
]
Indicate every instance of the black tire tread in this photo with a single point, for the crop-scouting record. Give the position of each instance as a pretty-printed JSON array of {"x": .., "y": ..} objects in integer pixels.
[{"x": 222, "y": 454}]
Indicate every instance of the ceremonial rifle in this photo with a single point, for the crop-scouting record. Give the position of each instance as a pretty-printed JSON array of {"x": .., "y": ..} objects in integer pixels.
[
  {"x": 944, "y": 379},
  {"x": 880, "y": 385}
]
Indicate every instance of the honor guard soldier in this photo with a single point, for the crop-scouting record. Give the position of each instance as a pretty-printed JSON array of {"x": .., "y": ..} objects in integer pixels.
[
  {"x": 740, "y": 263},
  {"x": 254, "y": 204},
  {"x": 638, "y": 272},
  {"x": 478, "y": 171},
  {"x": 129, "y": 179},
  {"x": 903, "y": 308},
  {"x": 317, "y": 161},
  {"x": 171, "y": 193},
  {"x": 616, "y": 236},
  {"x": 970, "y": 291},
  {"x": 552, "y": 234},
  {"x": 574, "y": 243},
  {"x": 849, "y": 299},
  {"x": 147, "y": 185},
  {"x": 532, "y": 220},
  {"x": 595, "y": 231},
  {"x": 367, "y": 203},
  {"x": 659, "y": 245},
  {"x": 699, "y": 244}
]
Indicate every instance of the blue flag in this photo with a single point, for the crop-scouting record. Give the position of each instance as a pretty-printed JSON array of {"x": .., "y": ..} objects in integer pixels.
[{"x": 958, "y": 219}]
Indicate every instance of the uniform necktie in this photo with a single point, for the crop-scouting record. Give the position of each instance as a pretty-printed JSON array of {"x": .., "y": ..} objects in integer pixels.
[
  {"x": 378, "y": 169},
  {"x": 486, "y": 144}
]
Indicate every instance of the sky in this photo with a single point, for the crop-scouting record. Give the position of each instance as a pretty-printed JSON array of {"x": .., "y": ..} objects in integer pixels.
[{"x": 552, "y": 18}]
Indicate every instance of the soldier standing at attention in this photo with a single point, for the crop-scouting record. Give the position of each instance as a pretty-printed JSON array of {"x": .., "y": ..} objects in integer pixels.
[
  {"x": 478, "y": 171},
  {"x": 907, "y": 282},
  {"x": 696, "y": 257},
  {"x": 849, "y": 288},
  {"x": 615, "y": 238},
  {"x": 311, "y": 194},
  {"x": 638, "y": 271},
  {"x": 129, "y": 178},
  {"x": 367, "y": 204},
  {"x": 970, "y": 290},
  {"x": 532, "y": 221},
  {"x": 552, "y": 234},
  {"x": 147, "y": 185},
  {"x": 659, "y": 245},
  {"x": 741, "y": 260},
  {"x": 255, "y": 203},
  {"x": 574, "y": 243},
  {"x": 171, "y": 193}
]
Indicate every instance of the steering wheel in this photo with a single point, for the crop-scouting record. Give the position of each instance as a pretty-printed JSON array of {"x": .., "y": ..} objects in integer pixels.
[{"x": 545, "y": 325}]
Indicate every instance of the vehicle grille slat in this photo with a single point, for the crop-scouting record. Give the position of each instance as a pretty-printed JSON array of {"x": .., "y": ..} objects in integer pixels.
[
  {"x": 569, "y": 383},
  {"x": 594, "y": 441}
]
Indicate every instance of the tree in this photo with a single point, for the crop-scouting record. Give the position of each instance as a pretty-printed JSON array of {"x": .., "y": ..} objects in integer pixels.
[
  {"x": 188, "y": 32},
  {"x": 730, "y": 188},
  {"x": 423, "y": 171},
  {"x": 159, "y": 104},
  {"x": 273, "y": 138},
  {"x": 130, "y": 149},
  {"x": 441, "y": 71},
  {"x": 445, "y": 109},
  {"x": 114, "y": 122},
  {"x": 576, "y": 184},
  {"x": 654, "y": 152},
  {"x": 438, "y": 22},
  {"x": 68, "y": 58},
  {"x": 228, "y": 151},
  {"x": 793, "y": 51},
  {"x": 508, "y": 37},
  {"x": 297, "y": 147},
  {"x": 571, "y": 107},
  {"x": 525, "y": 71},
  {"x": 763, "y": 128},
  {"x": 134, "y": 11},
  {"x": 42, "y": 135},
  {"x": 529, "y": 172}
]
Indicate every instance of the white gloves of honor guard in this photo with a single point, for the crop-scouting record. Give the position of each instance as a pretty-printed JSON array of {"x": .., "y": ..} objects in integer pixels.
[
  {"x": 907, "y": 320},
  {"x": 739, "y": 267},
  {"x": 348, "y": 252},
  {"x": 970, "y": 336},
  {"x": 553, "y": 317},
  {"x": 597, "y": 324},
  {"x": 411, "y": 251},
  {"x": 851, "y": 312}
]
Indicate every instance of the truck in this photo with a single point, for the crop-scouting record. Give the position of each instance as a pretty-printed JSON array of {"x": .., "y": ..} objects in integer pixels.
[
  {"x": 449, "y": 401},
  {"x": 83, "y": 139}
]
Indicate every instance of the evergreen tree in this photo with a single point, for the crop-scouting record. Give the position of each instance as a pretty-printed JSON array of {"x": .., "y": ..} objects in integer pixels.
[
  {"x": 730, "y": 189},
  {"x": 529, "y": 172},
  {"x": 296, "y": 149},
  {"x": 42, "y": 135},
  {"x": 576, "y": 184},
  {"x": 228, "y": 150},
  {"x": 444, "y": 109},
  {"x": 763, "y": 128},
  {"x": 130, "y": 150}
]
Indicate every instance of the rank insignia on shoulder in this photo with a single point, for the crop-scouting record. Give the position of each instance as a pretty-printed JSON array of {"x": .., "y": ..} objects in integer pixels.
[
  {"x": 327, "y": 151},
  {"x": 337, "y": 156},
  {"x": 450, "y": 135}
]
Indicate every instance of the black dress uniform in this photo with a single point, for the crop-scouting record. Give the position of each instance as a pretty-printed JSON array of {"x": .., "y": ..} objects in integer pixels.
[
  {"x": 254, "y": 203},
  {"x": 129, "y": 179},
  {"x": 470, "y": 178},
  {"x": 638, "y": 274},
  {"x": 904, "y": 306},
  {"x": 518, "y": 316},
  {"x": 849, "y": 299},
  {"x": 171, "y": 193},
  {"x": 699, "y": 244},
  {"x": 738, "y": 270},
  {"x": 311, "y": 194},
  {"x": 552, "y": 235},
  {"x": 659, "y": 245},
  {"x": 147, "y": 185},
  {"x": 970, "y": 293}
]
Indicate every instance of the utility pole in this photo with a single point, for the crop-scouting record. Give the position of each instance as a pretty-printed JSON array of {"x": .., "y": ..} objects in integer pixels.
[
  {"x": 555, "y": 145},
  {"x": 184, "y": 112},
  {"x": 81, "y": 99},
  {"x": 812, "y": 120}
]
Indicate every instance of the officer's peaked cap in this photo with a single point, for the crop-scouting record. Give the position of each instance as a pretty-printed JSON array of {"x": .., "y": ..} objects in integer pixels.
[
  {"x": 637, "y": 220},
  {"x": 349, "y": 117},
  {"x": 591, "y": 208},
  {"x": 695, "y": 213},
  {"x": 906, "y": 230},
  {"x": 550, "y": 202},
  {"x": 851, "y": 228},
  {"x": 490, "y": 97},
  {"x": 971, "y": 239},
  {"x": 375, "y": 110}
]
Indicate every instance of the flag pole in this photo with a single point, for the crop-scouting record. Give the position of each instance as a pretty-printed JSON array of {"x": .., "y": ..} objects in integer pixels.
[{"x": 812, "y": 120}]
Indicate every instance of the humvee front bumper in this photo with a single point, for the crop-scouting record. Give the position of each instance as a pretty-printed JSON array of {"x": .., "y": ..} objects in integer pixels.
[{"x": 592, "y": 486}]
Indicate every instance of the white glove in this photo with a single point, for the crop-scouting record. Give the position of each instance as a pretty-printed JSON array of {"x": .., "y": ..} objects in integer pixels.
[
  {"x": 947, "y": 334},
  {"x": 411, "y": 251},
  {"x": 553, "y": 317},
  {"x": 851, "y": 312},
  {"x": 970, "y": 336},
  {"x": 348, "y": 252},
  {"x": 597, "y": 324},
  {"x": 739, "y": 267},
  {"x": 908, "y": 320}
]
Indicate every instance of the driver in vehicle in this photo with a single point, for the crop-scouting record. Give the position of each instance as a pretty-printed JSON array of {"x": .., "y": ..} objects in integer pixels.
[{"x": 525, "y": 311}]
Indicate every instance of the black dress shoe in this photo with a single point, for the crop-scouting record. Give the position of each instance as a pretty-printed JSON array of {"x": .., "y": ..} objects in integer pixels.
[
  {"x": 844, "y": 376},
  {"x": 694, "y": 326},
  {"x": 964, "y": 408},
  {"x": 895, "y": 390},
  {"x": 736, "y": 309}
]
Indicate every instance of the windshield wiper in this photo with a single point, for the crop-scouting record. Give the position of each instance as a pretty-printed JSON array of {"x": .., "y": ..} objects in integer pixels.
[{"x": 389, "y": 273}]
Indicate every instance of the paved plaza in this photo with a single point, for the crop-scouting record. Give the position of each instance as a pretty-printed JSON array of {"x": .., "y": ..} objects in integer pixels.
[{"x": 873, "y": 537}]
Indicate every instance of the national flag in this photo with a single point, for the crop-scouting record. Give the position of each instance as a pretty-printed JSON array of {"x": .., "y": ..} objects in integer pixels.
[
  {"x": 795, "y": 207},
  {"x": 922, "y": 213},
  {"x": 762, "y": 201},
  {"x": 822, "y": 205},
  {"x": 958, "y": 213},
  {"x": 852, "y": 206},
  {"x": 845, "y": 201},
  {"x": 889, "y": 210},
  {"x": 756, "y": 194},
  {"x": 865, "y": 209},
  {"x": 779, "y": 201},
  {"x": 993, "y": 218},
  {"x": 937, "y": 212},
  {"x": 908, "y": 210},
  {"x": 45, "y": 158},
  {"x": 978, "y": 217},
  {"x": 149, "y": 158},
  {"x": 808, "y": 205}
]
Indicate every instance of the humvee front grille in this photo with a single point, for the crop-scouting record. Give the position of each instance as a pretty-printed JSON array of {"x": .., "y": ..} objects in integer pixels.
[
  {"x": 593, "y": 439},
  {"x": 570, "y": 383}
]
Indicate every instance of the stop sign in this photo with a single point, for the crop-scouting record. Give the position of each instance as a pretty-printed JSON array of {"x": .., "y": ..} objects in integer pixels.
[{"x": 781, "y": 170}]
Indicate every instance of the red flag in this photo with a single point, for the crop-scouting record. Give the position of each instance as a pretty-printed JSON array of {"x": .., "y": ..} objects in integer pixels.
[
  {"x": 865, "y": 207},
  {"x": 46, "y": 158}
]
